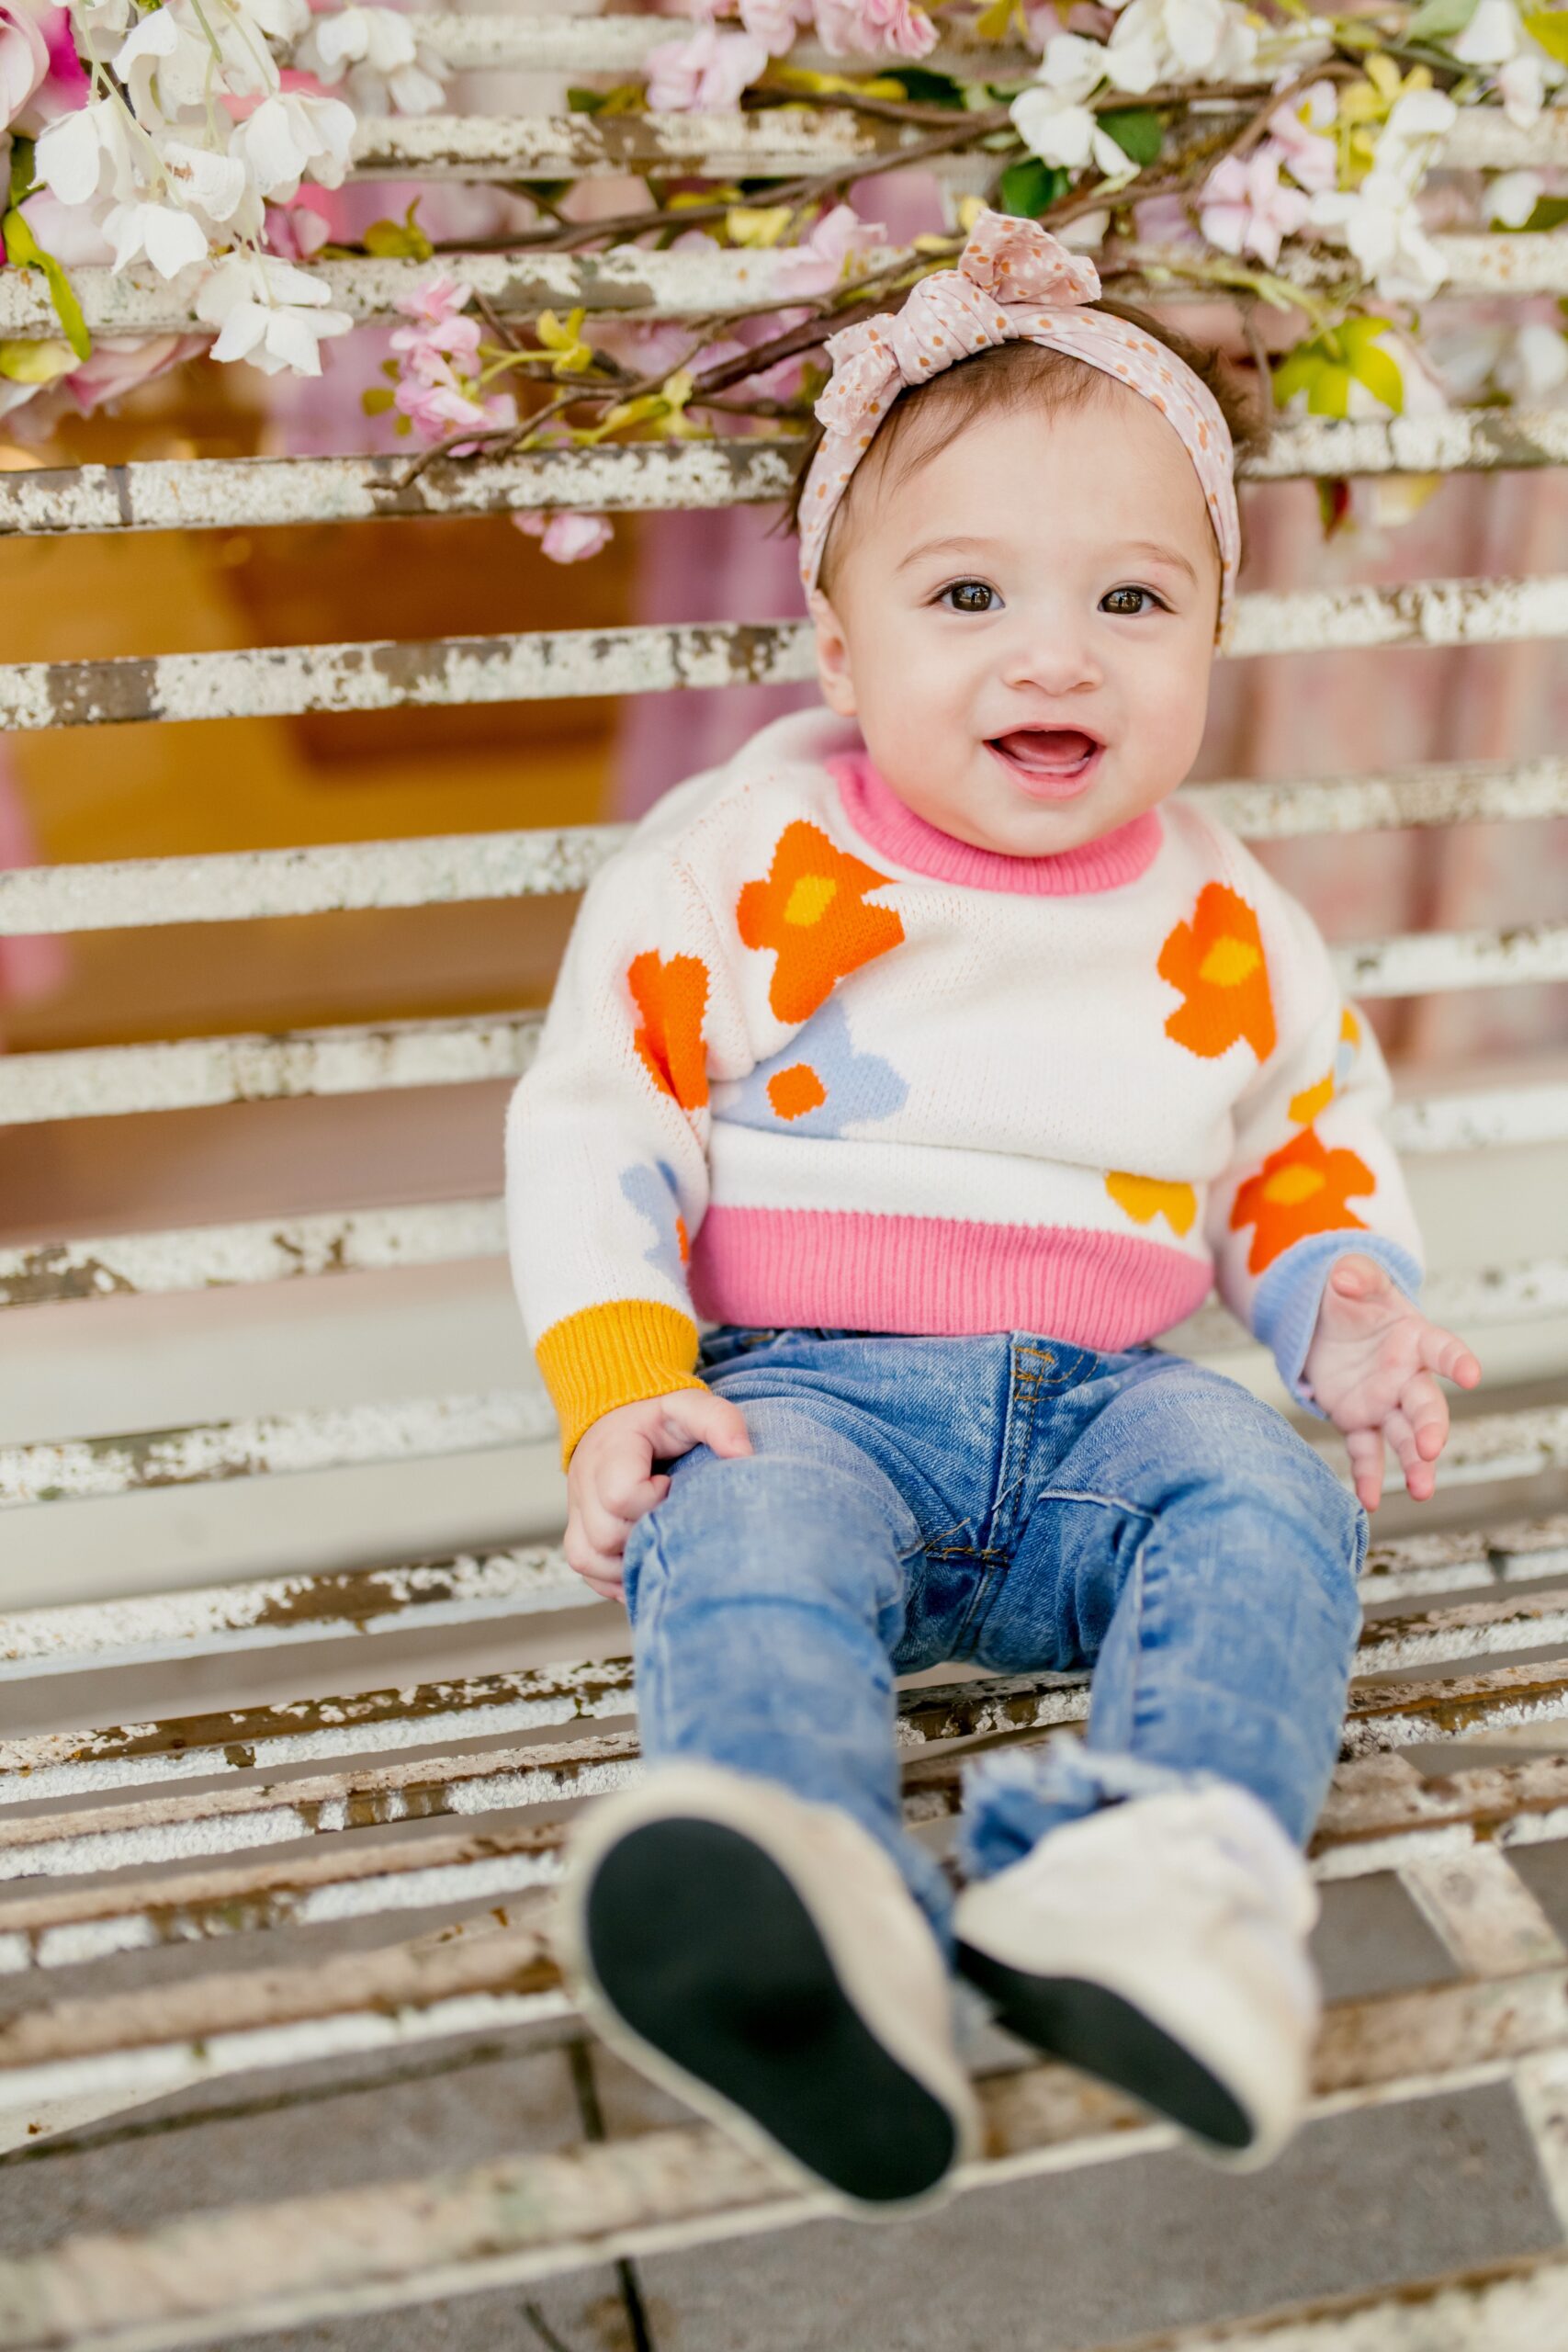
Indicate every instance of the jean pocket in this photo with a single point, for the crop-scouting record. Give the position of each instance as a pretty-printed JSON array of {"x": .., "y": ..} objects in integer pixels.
[{"x": 727, "y": 1342}]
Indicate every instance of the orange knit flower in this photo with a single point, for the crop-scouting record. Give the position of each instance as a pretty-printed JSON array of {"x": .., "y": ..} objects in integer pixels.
[
  {"x": 672, "y": 998},
  {"x": 812, "y": 910},
  {"x": 794, "y": 1091},
  {"x": 1300, "y": 1189},
  {"x": 1216, "y": 961}
]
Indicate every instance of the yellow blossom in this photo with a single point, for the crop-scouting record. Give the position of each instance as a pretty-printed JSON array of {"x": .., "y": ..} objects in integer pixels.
[
  {"x": 747, "y": 224},
  {"x": 573, "y": 356}
]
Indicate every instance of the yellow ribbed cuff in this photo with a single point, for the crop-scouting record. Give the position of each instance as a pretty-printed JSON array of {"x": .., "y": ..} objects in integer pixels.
[{"x": 605, "y": 1356}]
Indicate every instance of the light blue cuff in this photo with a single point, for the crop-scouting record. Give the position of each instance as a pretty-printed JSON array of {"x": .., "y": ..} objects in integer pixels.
[{"x": 1285, "y": 1304}]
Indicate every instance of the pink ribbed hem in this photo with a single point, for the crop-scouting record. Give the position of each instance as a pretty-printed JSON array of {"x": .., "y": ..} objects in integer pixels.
[
  {"x": 850, "y": 1270},
  {"x": 881, "y": 819}
]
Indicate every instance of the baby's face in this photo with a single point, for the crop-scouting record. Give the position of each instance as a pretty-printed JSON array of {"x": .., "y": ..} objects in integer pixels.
[{"x": 1023, "y": 624}]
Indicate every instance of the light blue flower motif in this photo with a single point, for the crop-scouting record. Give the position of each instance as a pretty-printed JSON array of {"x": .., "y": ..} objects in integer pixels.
[
  {"x": 821, "y": 1078},
  {"x": 651, "y": 1192}
]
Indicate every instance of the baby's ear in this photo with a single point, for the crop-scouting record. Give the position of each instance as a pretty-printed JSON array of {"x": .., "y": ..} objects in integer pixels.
[{"x": 832, "y": 656}]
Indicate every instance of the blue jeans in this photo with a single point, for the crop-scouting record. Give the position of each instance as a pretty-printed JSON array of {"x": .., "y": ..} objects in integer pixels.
[{"x": 1013, "y": 1502}]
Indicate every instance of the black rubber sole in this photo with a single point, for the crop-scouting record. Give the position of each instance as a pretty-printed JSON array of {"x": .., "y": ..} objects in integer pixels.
[
  {"x": 1098, "y": 2031},
  {"x": 701, "y": 1946}
]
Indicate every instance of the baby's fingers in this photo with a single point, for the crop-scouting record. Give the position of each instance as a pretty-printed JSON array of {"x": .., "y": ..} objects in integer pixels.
[
  {"x": 1445, "y": 1352},
  {"x": 1414, "y": 1452},
  {"x": 1365, "y": 1449}
]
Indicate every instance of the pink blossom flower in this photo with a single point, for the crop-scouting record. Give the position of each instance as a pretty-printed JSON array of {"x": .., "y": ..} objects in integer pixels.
[
  {"x": 707, "y": 72},
  {"x": 865, "y": 27},
  {"x": 24, "y": 57},
  {"x": 438, "y": 404},
  {"x": 567, "y": 538},
  {"x": 774, "y": 22},
  {"x": 1299, "y": 132},
  {"x": 817, "y": 265},
  {"x": 118, "y": 364},
  {"x": 438, "y": 300},
  {"x": 1247, "y": 209},
  {"x": 295, "y": 231},
  {"x": 67, "y": 230}
]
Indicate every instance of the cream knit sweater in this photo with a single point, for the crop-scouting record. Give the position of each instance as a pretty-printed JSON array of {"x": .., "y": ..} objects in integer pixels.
[{"x": 810, "y": 1061}]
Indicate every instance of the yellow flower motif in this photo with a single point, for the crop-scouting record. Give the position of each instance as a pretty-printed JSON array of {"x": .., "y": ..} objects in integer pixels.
[
  {"x": 757, "y": 225},
  {"x": 1305, "y": 1106},
  {"x": 1146, "y": 1197},
  {"x": 1364, "y": 106},
  {"x": 573, "y": 356}
]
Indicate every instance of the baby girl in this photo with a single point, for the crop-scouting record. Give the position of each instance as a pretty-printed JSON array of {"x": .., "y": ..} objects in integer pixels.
[{"x": 935, "y": 1015}]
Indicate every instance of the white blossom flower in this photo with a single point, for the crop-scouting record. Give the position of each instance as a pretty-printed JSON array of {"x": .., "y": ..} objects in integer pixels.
[
  {"x": 169, "y": 238},
  {"x": 281, "y": 20},
  {"x": 166, "y": 64},
  {"x": 1495, "y": 38},
  {"x": 1380, "y": 223},
  {"x": 376, "y": 49},
  {"x": 88, "y": 153},
  {"x": 1050, "y": 116},
  {"x": 1512, "y": 196},
  {"x": 289, "y": 137},
  {"x": 24, "y": 60},
  {"x": 215, "y": 184},
  {"x": 268, "y": 313},
  {"x": 1536, "y": 366},
  {"x": 1180, "y": 41}
]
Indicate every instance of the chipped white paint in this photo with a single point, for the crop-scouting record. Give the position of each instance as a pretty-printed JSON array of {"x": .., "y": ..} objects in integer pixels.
[
  {"x": 467, "y": 1588},
  {"x": 254, "y": 494},
  {"x": 189, "y": 1828},
  {"x": 272, "y": 1445},
  {"x": 1471, "y": 792},
  {"x": 679, "y": 285},
  {"x": 1491, "y": 1116},
  {"x": 73, "y": 1927},
  {"x": 364, "y": 1724},
  {"x": 1427, "y": 961},
  {"x": 281, "y": 681},
  {"x": 441, "y": 870},
  {"x": 97, "y": 1082},
  {"x": 216, "y": 1256},
  {"x": 1520, "y": 1552},
  {"x": 590, "y": 43},
  {"x": 1482, "y": 1912},
  {"x": 51, "y": 1765},
  {"x": 257, "y": 493}
]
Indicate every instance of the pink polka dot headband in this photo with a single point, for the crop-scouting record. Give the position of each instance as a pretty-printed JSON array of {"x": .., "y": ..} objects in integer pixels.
[{"x": 1014, "y": 282}]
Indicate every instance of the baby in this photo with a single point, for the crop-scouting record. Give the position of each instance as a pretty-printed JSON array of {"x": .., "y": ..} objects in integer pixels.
[{"x": 935, "y": 1015}]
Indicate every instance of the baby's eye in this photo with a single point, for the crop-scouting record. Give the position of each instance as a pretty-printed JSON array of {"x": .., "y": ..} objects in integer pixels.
[
  {"x": 970, "y": 596},
  {"x": 1132, "y": 600}
]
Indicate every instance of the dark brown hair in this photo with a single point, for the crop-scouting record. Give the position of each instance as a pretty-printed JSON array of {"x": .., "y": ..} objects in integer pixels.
[{"x": 1010, "y": 376}]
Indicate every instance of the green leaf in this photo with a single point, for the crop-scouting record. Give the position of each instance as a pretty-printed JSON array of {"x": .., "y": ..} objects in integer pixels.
[
  {"x": 1549, "y": 27},
  {"x": 1137, "y": 131},
  {"x": 67, "y": 308},
  {"x": 586, "y": 101},
  {"x": 376, "y": 400},
  {"x": 1029, "y": 186},
  {"x": 401, "y": 240},
  {"x": 21, "y": 169},
  {"x": 923, "y": 88},
  {"x": 23, "y": 248},
  {"x": 1379, "y": 373},
  {"x": 1440, "y": 19},
  {"x": 1550, "y": 211}
]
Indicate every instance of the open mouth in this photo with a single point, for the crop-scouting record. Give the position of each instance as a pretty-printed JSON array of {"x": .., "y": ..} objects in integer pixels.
[{"x": 1050, "y": 761}]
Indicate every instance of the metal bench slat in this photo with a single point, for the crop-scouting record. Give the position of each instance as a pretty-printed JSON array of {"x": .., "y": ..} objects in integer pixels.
[{"x": 279, "y": 681}]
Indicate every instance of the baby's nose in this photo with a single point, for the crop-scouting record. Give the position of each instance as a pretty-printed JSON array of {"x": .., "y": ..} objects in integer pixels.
[{"x": 1060, "y": 660}]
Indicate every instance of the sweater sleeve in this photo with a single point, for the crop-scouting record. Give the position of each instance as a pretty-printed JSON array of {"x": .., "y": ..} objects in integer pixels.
[
  {"x": 1313, "y": 1175},
  {"x": 606, "y": 1141}
]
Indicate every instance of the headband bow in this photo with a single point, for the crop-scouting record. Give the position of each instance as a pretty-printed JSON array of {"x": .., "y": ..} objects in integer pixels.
[{"x": 1014, "y": 282}]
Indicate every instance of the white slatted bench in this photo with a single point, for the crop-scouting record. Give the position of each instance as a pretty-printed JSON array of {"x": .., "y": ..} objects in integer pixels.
[{"x": 448, "y": 1796}]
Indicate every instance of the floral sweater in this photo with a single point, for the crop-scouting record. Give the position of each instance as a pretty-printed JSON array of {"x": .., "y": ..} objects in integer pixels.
[{"x": 810, "y": 1061}]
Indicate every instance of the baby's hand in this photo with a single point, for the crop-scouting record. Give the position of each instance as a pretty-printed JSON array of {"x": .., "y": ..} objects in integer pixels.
[
  {"x": 1371, "y": 1368},
  {"x": 609, "y": 1483}
]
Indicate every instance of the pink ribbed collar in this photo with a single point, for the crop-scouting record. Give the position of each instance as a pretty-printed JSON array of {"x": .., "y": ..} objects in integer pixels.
[{"x": 880, "y": 817}]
